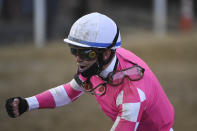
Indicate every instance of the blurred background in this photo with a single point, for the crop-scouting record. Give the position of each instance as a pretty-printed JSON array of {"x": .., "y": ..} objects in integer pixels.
[{"x": 33, "y": 57}]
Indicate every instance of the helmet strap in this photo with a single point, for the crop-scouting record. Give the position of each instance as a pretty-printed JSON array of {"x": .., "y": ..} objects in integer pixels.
[
  {"x": 115, "y": 39},
  {"x": 92, "y": 70},
  {"x": 103, "y": 62},
  {"x": 97, "y": 67}
]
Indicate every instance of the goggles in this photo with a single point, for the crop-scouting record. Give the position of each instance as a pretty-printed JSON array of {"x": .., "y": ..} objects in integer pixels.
[
  {"x": 115, "y": 78},
  {"x": 85, "y": 54},
  {"x": 133, "y": 73}
]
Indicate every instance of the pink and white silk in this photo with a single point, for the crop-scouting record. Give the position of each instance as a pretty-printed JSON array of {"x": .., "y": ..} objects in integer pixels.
[
  {"x": 138, "y": 105},
  {"x": 56, "y": 97},
  {"x": 141, "y": 105}
]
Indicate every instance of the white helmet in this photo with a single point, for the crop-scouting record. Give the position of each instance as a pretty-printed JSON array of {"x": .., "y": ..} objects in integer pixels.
[{"x": 94, "y": 30}]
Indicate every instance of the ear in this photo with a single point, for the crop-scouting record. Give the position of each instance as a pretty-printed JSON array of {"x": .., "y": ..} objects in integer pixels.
[{"x": 106, "y": 54}]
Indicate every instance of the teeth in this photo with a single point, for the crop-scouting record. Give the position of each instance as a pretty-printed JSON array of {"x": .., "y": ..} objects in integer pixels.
[{"x": 82, "y": 67}]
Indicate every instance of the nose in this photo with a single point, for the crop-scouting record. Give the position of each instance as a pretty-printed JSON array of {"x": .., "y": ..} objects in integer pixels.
[{"x": 78, "y": 59}]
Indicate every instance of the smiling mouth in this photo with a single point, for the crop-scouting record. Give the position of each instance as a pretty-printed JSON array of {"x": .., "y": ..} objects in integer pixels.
[{"x": 82, "y": 67}]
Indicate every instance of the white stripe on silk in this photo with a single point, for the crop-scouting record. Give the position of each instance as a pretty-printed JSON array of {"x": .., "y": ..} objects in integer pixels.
[
  {"x": 171, "y": 129},
  {"x": 119, "y": 99},
  {"x": 136, "y": 126},
  {"x": 141, "y": 94},
  {"x": 60, "y": 96},
  {"x": 32, "y": 103},
  {"x": 130, "y": 111},
  {"x": 115, "y": 124},
  {"x": 75, "y": 86}
]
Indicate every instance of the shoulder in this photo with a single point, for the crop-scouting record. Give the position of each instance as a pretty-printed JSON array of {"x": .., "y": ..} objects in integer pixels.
[{"x": 128, "y": 55}]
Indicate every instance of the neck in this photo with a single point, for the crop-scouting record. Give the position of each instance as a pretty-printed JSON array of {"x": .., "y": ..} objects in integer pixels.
[
  {"x": 109, "y": 67},
  {"x": 104, "y": 67}
]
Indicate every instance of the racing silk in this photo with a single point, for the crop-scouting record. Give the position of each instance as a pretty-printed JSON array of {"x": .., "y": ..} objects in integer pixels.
[
  {"x": 55, "y": 97},
  {"x": 134, "y": 105}
]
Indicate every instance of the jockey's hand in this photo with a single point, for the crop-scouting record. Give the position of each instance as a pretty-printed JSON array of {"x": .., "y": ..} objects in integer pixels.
[{"x": 16, "y": 106}]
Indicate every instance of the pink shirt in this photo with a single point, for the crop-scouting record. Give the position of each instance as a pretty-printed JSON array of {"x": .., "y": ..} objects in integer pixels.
[{"x": 141, "y": 105}]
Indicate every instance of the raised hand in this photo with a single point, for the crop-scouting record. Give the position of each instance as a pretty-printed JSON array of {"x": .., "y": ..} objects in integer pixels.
[{"x": 16, "y": 106}]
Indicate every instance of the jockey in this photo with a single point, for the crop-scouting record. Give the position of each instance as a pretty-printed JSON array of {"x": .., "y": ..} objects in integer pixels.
[{"x": 122, "y": 83}]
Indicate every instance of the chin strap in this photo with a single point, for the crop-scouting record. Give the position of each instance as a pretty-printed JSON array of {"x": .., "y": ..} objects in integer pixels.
[
  {"x": 97, "y": 67},
  {"x": 92, "y": 70}
]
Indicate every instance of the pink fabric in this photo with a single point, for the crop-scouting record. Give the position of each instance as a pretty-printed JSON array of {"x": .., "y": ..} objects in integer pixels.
[
  {"x": 46, "y": 100},
  {"x": 82, "y": 78},
  {"x": 71, "y": 92},
  {"x": 125, "y": 126},
  {"x": 155, "y": 113}
]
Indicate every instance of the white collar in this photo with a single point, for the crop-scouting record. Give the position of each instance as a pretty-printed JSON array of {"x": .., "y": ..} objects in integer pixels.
[{"x": 109, "y": 68}]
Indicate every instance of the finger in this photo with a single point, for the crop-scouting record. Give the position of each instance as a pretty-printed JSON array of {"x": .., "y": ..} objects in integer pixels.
[
  {"x": 16, "y": 112},
  {"x": 15, "y": 107},
  {"x": 16, "y": 101}
]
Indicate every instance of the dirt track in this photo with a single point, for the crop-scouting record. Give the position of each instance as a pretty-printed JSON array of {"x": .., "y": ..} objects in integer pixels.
[{"x": 26, "y": 71}]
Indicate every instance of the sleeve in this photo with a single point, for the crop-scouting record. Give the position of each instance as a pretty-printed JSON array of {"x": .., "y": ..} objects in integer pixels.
[
  {"x": 130, "y": 104},
  {"x": 56, "y": 97}
]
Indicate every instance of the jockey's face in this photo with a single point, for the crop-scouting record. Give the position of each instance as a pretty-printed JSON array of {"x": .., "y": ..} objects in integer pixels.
[
  {"x": 84, "y": 64},
  {"x": 85, "y": 57}
]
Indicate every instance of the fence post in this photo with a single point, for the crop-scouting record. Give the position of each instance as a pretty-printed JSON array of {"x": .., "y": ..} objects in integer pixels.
[
  {"x": 159, "y": 14},
  {"x": 186, "y": 22},
  {"x": 39, "y": 23}
]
